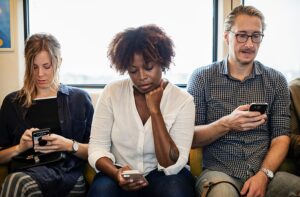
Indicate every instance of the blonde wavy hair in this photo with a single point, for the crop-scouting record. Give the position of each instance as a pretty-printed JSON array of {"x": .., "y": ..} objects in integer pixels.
[{"x": 34, "y": 45}]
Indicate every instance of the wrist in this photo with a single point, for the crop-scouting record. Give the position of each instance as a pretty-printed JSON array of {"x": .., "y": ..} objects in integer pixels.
[
  {"x": 18, "y": 150},
  {"x": 116, "y": 175},
  {"x": 223, "y": 122},
  {"x": 268, "y": 173}
]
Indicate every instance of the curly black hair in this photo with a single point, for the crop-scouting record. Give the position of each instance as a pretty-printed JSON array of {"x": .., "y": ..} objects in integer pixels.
[{"x": 150, "y": 41}]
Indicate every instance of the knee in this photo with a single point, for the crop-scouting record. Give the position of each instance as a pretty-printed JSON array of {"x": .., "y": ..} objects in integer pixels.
[
  {"x": 223, "y": 189},
  {"x": 177, "y": 187}
]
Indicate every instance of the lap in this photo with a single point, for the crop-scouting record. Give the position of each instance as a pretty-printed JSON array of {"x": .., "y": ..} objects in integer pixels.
[
  {"x": 181, "y": 184},
  {"x": 225, "y": 189}
]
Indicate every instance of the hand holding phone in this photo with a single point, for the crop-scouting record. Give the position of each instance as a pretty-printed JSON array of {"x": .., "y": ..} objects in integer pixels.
[
  {"x": 37, "y": 136},
  {"x": 135, "y": 175},
  {"x": 260, "y": 107}
]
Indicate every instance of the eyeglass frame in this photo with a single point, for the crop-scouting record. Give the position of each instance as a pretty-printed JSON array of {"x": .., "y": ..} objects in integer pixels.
[{"x": 237, "y": 34}]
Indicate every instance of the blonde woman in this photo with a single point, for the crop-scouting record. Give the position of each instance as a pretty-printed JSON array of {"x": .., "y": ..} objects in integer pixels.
[{"x": 45, "y": 103}]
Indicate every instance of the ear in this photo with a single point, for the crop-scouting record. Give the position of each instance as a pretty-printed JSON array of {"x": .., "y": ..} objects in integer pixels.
[{"x": 226, "y": 37}]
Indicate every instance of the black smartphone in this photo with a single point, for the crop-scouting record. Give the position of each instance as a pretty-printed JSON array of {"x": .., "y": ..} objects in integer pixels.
[
  {"x": 37, "y": 136},
  {"x": 260, "y": 107}
]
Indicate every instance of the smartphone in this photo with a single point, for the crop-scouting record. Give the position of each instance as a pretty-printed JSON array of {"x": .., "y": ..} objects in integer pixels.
[
  {"x": 135, "y": 175},
  {"x": 260, "y": 107},
  {"x": 37, "y": 136}
]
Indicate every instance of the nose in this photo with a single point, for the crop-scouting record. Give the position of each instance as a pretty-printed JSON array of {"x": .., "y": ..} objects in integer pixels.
[
  {"x": 249, "y": 42},
  {"x": 142, "y": 75},
  {"x": 40, "y": 72}
]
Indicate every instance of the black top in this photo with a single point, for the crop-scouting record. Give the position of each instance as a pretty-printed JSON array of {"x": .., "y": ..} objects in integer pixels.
[{"x": 44, "y": 114}]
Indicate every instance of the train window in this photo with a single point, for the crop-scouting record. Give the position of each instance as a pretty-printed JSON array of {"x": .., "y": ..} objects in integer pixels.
[
  {"x": 280, "y": 46},
  {"x": 85, "y": 29}
]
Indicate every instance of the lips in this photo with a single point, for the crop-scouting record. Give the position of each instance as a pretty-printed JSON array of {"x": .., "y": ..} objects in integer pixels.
[
  {"x": 145, "y": 86},
  {"x": 42, "y": 81}
]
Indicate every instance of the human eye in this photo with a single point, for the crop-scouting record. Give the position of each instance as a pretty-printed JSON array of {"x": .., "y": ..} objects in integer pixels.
[
  {"x": 149, "y": 66},
  {"x": 132, "y": 69},
  {"x": 47, "y": 66},
  {"x": 242, "y": 35}
]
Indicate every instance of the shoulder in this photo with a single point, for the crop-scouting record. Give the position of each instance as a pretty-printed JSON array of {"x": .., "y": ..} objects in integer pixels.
[
  {"x": 10, "y": 98},
  {"x": 204, "y": 75},
  {"x": 75, "y": 94},
  {"x": 269, "y": 72},
  {"x": 177, "y": 93},
  {"x": 117, "y": 88}
]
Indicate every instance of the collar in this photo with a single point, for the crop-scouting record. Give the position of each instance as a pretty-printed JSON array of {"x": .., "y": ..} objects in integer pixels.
[
  {"x": 63, "y": 89},
  {"x": 224, "y": 68}
]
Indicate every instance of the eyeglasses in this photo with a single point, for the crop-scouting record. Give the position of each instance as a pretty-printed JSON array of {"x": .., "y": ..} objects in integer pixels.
[{"x": 243, "y": 37}]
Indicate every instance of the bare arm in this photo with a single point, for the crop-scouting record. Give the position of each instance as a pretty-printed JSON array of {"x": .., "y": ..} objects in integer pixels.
[
  {"x": 239, "y": 120},
  {"x": 166, "y": 150},
  {"x": 256, "y": 185},
  {"x": 277, "y": 153}
]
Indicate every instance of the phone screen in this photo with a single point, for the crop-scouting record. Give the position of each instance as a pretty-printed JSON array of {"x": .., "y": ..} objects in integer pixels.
[
  {"x": 37, "y": 136},
  {"x": 260, "y": 107}
]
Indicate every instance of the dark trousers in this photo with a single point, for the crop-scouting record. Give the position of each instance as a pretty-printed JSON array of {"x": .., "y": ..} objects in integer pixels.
[{"x": 178, "y": 185}]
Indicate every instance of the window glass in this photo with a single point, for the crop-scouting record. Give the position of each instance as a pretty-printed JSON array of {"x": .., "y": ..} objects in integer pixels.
[
  {"x": 280, "y": 46},
  {"x": 85, "y": 28}
]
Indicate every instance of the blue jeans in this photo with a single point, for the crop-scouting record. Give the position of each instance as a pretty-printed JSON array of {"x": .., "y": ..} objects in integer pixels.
[
  {"x": 283, "y": 184},
  {"x": 178, "y": 185}
]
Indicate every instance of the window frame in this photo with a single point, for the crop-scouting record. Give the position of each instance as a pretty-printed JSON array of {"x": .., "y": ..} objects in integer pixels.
[{"x": 100, "y": 86}]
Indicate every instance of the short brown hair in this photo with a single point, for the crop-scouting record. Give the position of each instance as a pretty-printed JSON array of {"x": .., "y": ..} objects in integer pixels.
[
  {"x": 150, "y": 41},
  {"x": 247, "y": 10}
]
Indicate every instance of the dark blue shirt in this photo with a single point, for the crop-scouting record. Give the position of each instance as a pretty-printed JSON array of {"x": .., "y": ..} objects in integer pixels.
[
  {"x": 75, "y": 113},
  {"x": 217, "y": 94}
]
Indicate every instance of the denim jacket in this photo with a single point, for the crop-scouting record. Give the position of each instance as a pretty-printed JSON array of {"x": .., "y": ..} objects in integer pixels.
[{"x": 75, "y": 112}]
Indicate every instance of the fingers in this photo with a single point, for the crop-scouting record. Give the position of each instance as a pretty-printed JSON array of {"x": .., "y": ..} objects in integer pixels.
[{"x": 245, "y": 188}]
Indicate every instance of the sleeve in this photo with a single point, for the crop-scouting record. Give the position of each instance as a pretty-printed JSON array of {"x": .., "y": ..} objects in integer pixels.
[
  {"x": 182, "y": 132},
  {"x": 6, "y": 108},
  {"x": 280, "y": 116},
  {"x": 89, "y": 117},
  {"x": 100, "y": 139},
  {"x": 196, "y": 89}
]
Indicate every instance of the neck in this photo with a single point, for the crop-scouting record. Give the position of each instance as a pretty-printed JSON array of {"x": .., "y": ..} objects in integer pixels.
[
  {"x": 240, "y": 71},
  {"x": 49, "y": 92}
]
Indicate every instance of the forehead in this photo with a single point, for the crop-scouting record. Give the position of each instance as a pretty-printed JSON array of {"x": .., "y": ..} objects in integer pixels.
[
  {"x": 247, "y": 23},
  {"x": 42, "y": 57}
]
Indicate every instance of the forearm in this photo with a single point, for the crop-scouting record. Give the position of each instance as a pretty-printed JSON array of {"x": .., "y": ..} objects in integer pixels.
[
  {"x": 277, "y": 153},
  {"x": 7, "y": 154},
  {"x": 106, "y": 166},
  {"x": 206, "y": 134},
  {"x": 166, "y": 150}
]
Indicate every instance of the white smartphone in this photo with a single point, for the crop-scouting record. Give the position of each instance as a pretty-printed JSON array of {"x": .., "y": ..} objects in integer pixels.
[{"x": 135, "y": 175}]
